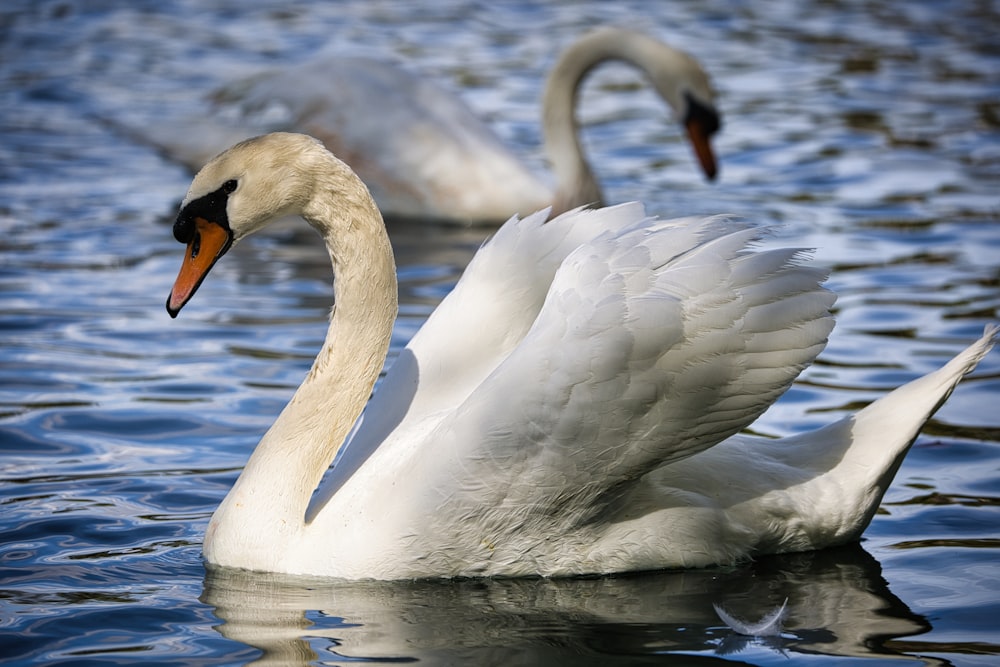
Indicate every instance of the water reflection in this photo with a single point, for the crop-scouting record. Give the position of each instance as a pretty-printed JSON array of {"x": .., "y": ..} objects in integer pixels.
[{"x": 838, "y": 605}]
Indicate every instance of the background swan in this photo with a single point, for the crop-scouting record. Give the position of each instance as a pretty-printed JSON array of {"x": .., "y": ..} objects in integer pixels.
[
  {"x": 571, "y": 407},
  {"x": 422, "y": 152}
]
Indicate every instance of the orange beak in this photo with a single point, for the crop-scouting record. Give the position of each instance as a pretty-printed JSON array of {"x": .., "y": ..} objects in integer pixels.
[
  {"x": 700, "y": 139},
  {"x": 210, "y": 241}
]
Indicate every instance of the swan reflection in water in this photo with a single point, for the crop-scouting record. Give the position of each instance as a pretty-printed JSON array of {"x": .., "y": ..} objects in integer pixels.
[{"x": 838, "y": 605}]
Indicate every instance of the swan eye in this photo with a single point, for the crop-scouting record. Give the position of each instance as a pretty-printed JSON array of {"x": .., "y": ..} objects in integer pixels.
[
  {"x": 229, "y": 186},
  {"x": 195, "y": 245}
]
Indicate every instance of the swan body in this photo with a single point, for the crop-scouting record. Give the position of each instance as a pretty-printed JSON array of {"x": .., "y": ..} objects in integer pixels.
[
  {"x": 573, "y": 406},
  {"x": 421, "y": 151}
]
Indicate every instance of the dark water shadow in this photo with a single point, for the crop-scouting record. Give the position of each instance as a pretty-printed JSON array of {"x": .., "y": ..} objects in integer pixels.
[{"x": 838, "y": 605}]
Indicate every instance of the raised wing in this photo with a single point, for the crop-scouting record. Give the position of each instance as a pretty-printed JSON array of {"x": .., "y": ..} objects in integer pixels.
[
  {"x": 653, "y": 344},
  {"x": 473, "y": 330}
]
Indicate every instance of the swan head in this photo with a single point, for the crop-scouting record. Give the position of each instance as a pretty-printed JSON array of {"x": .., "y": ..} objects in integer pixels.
[
  {"x": 237, "y": 193},
  {"x": 676, "y": 76},
  {"x": 684, "y": 85},
  {"x": 701, "y": 121}
]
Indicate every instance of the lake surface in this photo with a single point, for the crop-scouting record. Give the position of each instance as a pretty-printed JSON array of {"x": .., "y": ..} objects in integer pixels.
[{"x": 870, "y": 131}]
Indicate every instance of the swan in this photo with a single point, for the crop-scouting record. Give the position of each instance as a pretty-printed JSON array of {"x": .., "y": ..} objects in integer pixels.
[
  {"x": 573, "y": 406},
  {"x": 422, "y": 152}
]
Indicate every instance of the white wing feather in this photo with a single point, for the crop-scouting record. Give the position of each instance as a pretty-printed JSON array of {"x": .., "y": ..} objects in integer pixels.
[{"x": 691, "y": 334}]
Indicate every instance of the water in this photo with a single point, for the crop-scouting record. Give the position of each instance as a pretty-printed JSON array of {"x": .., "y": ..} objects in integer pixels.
[{"x": 871, "y": 131}]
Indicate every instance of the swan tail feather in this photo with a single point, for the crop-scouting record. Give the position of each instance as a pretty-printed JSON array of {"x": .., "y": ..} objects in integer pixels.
[
  {"x": 899, "y": 415},
  {"x": 844, "y": 468}
]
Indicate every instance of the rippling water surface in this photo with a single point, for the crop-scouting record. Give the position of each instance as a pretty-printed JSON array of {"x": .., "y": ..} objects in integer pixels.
[{"x": 870, "y": 130}]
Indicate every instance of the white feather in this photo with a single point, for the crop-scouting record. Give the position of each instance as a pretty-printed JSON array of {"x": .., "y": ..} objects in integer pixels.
[{"x": 770, "y": 625}]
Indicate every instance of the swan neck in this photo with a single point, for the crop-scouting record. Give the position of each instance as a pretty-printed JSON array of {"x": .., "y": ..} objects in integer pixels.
[
  {"x": 663, "y": 66},
  {"x": 287, "y": 465}
]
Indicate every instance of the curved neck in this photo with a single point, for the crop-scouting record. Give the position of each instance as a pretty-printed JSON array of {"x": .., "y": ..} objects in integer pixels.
[
  {"x": 576, "y": 184},
  {"x": 274, "y": 488}
]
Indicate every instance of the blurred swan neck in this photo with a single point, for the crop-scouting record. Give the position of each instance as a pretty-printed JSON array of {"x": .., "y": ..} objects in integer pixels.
[{"x": 665, "y": 67}]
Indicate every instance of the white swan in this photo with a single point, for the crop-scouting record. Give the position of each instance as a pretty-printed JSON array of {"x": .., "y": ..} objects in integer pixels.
[
  {"x": 573, "y": 406},
  {"x": 422, "y": 152}
]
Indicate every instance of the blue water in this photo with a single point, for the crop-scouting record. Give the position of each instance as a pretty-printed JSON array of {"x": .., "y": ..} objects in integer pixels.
[{"x": 871, "y": 131}]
